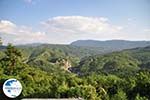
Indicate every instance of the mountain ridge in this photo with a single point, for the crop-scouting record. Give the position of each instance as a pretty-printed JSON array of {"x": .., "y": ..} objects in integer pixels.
[{"x": 112, "y": 44}]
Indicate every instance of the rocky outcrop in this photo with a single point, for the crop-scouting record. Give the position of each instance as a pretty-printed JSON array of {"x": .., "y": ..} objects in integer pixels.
[{"x": 64, "y": 63}]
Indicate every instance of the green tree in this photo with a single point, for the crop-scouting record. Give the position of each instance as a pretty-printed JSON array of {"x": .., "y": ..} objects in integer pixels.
[
  {"x": 143, "y": 83},
  {"x": 138, "y": 97},
  {"x": 87, "y": 92},
  {"x": 119, "y": 96},
  {"x": 12, "y": 60}
]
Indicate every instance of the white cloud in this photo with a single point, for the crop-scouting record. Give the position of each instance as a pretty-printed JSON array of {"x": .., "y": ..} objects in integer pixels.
[
  {"x": 147, "y": 30},
  {"x": 19, "y": 34},
  {"x": 69, "y": 28},
  {"x": 65, "y": 29},
  {"x": 81, "y": 25},
  {"x": 7, "y": 26}
]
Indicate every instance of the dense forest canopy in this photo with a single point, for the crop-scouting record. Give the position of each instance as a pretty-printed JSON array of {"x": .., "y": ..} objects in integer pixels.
[{"x": 64, "y": 71}]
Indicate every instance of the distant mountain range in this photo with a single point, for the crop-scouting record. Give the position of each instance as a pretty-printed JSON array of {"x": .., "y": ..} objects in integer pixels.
[
  {"x": 83, "y": 48},
  {"x": 111, "y": 44}
]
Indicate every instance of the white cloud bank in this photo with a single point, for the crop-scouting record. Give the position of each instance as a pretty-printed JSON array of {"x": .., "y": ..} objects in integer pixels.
[
  {"x": 19, "y": 34},
  {"x": 65, "y": 29},
  {"x": 78, "y": 24},
  {"x": 70, "y": 28}
]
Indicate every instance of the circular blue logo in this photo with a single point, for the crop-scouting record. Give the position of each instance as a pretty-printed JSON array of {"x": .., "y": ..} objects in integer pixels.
[{"x": 12, "y": 88}]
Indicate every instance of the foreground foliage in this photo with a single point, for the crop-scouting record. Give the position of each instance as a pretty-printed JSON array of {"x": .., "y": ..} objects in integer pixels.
[{"x": 115, "y": 76}]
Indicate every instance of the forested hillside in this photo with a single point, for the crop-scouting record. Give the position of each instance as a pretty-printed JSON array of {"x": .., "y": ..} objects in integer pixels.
[
  {"x": 124, "y": 61},
  {"x": 49, "y": 56},
  {"x": 62, "y": 71},
  {"x": 69, "y": 50},
  {"x": 111, "y": 44}
]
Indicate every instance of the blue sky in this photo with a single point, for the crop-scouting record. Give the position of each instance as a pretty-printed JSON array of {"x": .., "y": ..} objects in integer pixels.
[{"x": 64, "y": 21}]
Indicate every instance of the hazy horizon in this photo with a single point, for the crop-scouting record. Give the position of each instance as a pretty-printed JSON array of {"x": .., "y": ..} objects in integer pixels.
[
  {"x": 17, "y": 44},
  {"x": 65, "y": 21}
]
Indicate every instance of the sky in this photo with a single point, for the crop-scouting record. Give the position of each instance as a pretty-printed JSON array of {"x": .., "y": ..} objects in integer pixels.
[{"x": 65, "y": 21}]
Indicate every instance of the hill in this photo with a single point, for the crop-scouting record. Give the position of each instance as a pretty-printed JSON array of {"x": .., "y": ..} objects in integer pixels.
[
  {"x": 66, "y": 49},
  {"x": 120, "y": 75},
  {"x": 125, "y": 61},
  {"x": 111, "y": 44},
  {"x": 47, "y": 56}
]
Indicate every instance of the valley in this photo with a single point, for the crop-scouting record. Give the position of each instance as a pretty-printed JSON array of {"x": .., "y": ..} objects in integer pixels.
[{"x": 73, "y": 71}]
